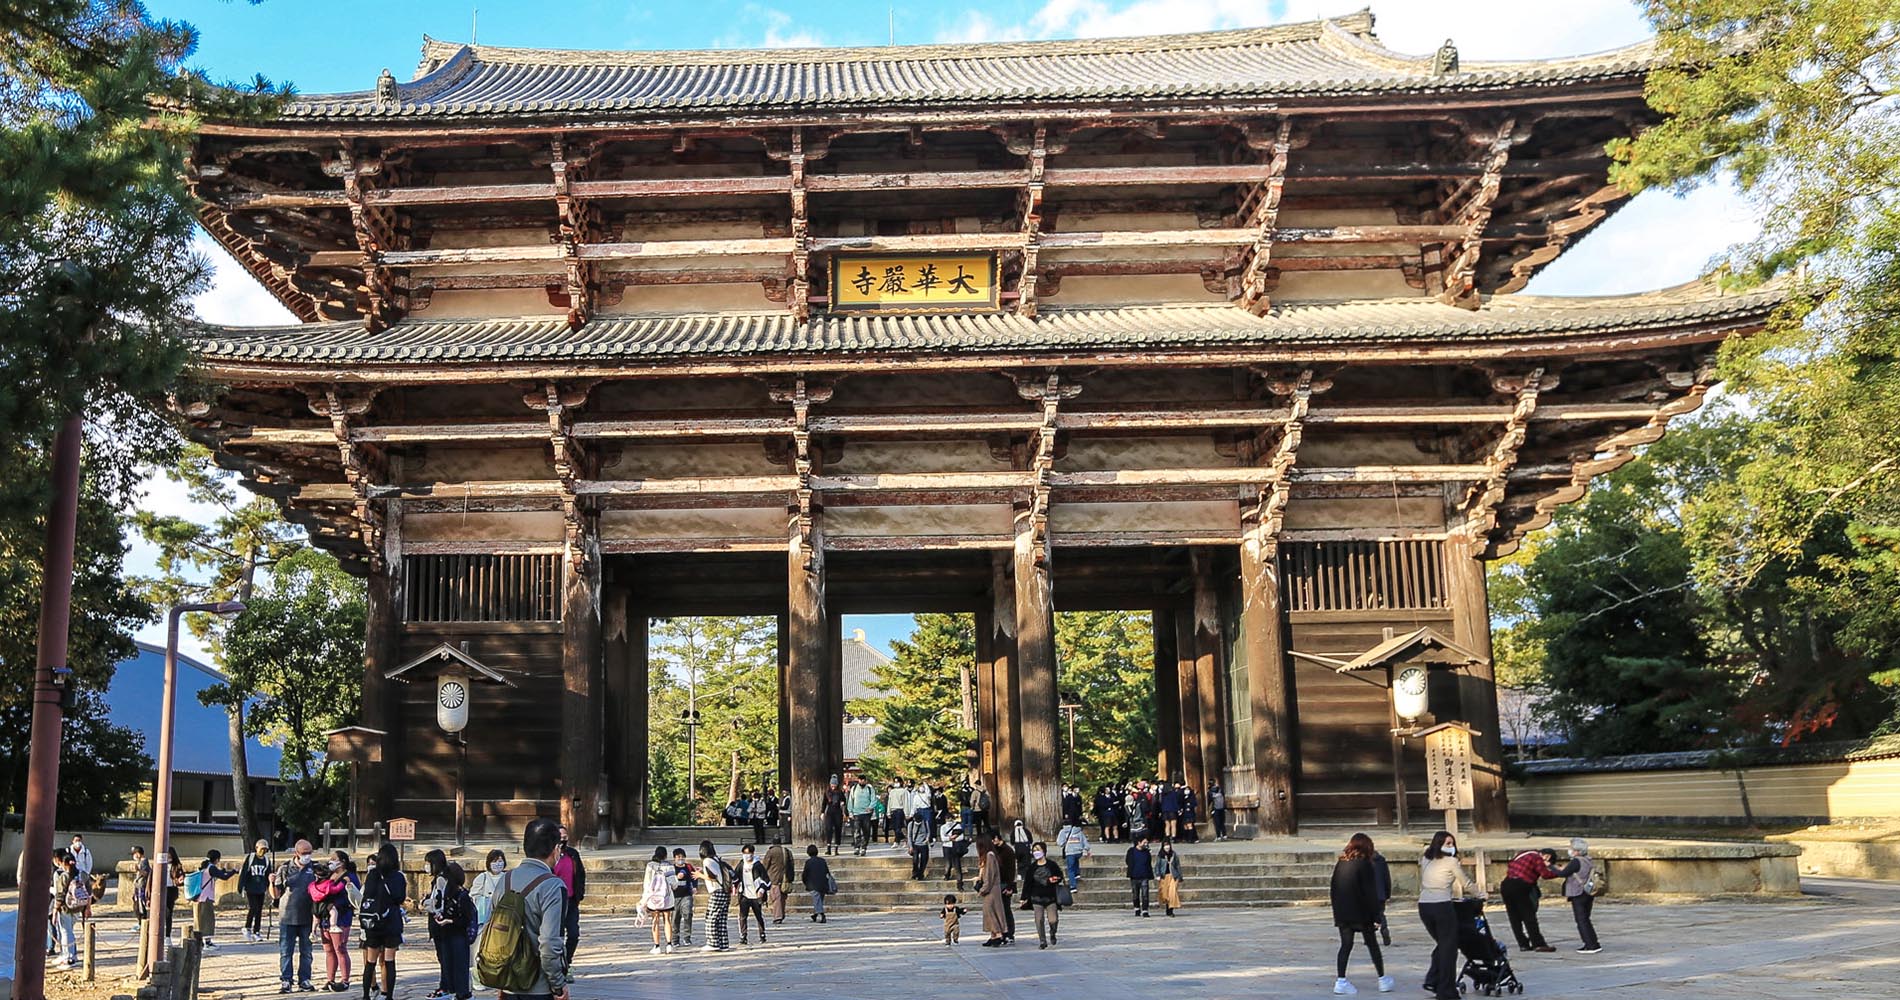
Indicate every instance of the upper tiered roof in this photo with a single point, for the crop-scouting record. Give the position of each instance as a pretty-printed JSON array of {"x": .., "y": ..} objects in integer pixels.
[{"x": 1336, "y": 56}]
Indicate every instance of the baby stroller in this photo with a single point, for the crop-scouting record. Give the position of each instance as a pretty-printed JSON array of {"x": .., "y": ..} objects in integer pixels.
[{"x": 1486, "y": 961}]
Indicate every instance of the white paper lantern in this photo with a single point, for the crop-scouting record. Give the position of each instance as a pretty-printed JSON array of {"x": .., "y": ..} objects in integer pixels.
[
  {"x": 1408, "y": 692},
  {"x": 451, "y": 702}
]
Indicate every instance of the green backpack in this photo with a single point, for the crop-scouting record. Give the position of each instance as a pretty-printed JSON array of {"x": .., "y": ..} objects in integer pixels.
[{"x": 507, "y": 958}]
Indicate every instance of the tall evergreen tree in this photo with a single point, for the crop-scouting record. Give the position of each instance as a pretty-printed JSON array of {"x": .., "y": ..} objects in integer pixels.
[
  {"x": 1106, "y": 662},
  {"x": 920, "y": 726},
  {"x": 731, "y": 662}
]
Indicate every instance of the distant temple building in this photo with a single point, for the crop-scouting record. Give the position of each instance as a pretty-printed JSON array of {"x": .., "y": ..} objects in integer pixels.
[
  {"x": 1226, "y": 327},
  {"x": 860, "y": 661}
]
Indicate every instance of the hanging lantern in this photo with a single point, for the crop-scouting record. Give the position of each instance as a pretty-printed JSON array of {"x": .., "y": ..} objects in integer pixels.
[
  {"x": 1408, "y": 691},
  {"x": 451, "y": 701}
]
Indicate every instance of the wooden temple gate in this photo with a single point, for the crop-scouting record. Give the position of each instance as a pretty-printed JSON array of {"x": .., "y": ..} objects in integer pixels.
[{"x": 594, "y": 337}]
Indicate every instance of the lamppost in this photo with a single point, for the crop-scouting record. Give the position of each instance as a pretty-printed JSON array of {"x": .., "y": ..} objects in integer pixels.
[
  {"x": 1069, "y": 706},
  {"x": 162, "y": 794},
  {"x": 689, "y": 717}
]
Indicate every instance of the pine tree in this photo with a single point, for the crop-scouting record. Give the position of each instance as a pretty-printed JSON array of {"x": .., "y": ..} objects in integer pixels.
[
  {"x": 920, "y": 731},
  {"x": 733, "y": 663},
  {"x": 1106, "y": 665}
]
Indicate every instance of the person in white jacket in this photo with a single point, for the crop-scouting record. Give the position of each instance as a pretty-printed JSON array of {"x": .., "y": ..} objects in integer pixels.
[{"x": 1073, "y": 842}]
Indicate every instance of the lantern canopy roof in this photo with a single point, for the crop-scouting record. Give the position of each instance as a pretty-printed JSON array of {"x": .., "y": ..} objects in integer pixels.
[
  {"x": 477, "y": 670},
  {"x": 1424, "y": 645}
]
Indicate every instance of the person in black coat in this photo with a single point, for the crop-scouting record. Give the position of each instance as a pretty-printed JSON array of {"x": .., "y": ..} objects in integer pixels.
[{"x": 1358, "y": 907}]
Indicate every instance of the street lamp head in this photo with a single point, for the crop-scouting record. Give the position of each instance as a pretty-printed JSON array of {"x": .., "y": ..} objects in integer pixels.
[{"x": 216, "y": 608}]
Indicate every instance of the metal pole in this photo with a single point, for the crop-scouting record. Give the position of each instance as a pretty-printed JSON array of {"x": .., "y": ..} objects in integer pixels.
[
  {"x": 42, "y": 786},
  {"x": 461, "y": 803},
  {"x": 160, "y": 882}
]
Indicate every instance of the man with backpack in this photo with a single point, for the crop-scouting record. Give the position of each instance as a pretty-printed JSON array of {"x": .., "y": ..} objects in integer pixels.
[
  {"x": 294, "y": 920},
  {"x": 523, "y": 947},
  {"x": 71, "y": 896}
]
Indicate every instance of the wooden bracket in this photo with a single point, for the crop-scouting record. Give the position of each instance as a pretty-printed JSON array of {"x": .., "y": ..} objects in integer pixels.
[
  {"x": 1471, "y": 206},
  {"x": 1485, "y": 498},
  {"x": 376, "y": 232},
  {"x": 1268, "y": 509},
  {"x": 572, "y": 461},
  {"x": 363, "y": 465},
  {"x": 1029, "y": 216},
  {"x": 799, "y": 294},
  {"x": 1049, "y": 390},
  {"x": 1260, "y": 212},
  {"x": 801, "y": 394}
]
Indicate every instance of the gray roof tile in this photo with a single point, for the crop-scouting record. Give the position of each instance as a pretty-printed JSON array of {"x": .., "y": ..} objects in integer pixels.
[
  {"x": 673, "y": 337},
  {"x": 1335, "y": 56}
]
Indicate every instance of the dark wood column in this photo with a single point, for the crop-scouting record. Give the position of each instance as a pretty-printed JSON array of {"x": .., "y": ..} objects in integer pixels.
[
  {"x": 1036, "y": 679},
  {"x": 1263, "y": 629},
  {"x": 1210, "y": 669},
  {"x": 784, "y": 704},
  {"x": 1168, "y": 760},
  {"x": 807, "y": 662},
  {"x": 834, "y": 695},
  {"x": 639, "y": 717},
  {"x": 616, "y": 655},
  {"x": 1006, "y": 711},
  {"x": 1187, "y": 689},
  {"x": 383, "y": 626},
  {"x": 581, "y": 695},
  {"x": 1477, "y": 684}
]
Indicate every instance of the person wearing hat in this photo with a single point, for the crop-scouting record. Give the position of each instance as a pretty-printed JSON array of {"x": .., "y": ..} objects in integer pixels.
[{"x": 1579, "y": 875}]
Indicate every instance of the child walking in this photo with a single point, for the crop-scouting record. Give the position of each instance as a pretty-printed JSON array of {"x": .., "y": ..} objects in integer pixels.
[{"x": 952, "y": 919}]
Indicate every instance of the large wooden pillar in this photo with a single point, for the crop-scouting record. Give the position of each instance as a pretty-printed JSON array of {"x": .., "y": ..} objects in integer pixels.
[
  {"x": 1036, "y": 678},
  {"x": 582, "y": 690},
  {"x": 1209, "y": 653},
  {"x": 806, "y": 663},
  {"x": 1006, "y": 709},
  {"x": 784, "y": 781},
  {"x": 834, "y": 695},
  {"x": 1187, "y": 690},
  {"x": 1262, "y": 626},
  {"x": 383, "y": 626},
  {"x": 1168, "y": 709},
  {"x": 1477, "y": 684},
  {"x": 627, "y": 673}
]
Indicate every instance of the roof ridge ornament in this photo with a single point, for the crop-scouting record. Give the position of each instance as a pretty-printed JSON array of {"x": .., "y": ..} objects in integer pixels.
[
  {"x": 386, "y": 87},
  {"x": 1445, "y": 60}
]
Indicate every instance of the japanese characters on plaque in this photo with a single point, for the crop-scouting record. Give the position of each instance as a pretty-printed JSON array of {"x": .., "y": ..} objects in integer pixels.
[
  {"x": 914, "y": 283},
  {"x": 1448, "y": 768}
]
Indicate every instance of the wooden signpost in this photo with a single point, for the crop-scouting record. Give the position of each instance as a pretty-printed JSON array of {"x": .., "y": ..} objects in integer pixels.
[{"x": 1448, "y": 770}]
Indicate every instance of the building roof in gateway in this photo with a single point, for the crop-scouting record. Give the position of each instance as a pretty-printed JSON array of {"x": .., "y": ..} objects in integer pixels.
[
  {"x": 671, "y": 337},
  {"x": 1335, "y": 56}
]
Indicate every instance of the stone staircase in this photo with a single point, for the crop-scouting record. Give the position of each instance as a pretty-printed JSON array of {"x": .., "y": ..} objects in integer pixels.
[{"x": 1224, "y": 875}]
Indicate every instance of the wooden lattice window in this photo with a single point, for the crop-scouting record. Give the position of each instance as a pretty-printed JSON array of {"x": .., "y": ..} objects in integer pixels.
[
  {"x": 1364, "y": 575},
  {"x": 482, "y": 588}
]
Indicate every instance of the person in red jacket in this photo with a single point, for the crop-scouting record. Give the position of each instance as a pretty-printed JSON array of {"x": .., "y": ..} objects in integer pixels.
[{"x": 1520, "y": 893}]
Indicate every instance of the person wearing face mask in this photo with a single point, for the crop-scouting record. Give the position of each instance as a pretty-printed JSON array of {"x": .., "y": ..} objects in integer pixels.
[
  {"x": 1040, "y": 887},
  {"x": 1441, "y": 881},
  {"x": 718, "y": 898},
  {"x": 1580, "y": 889},
  {"x": 254, "y": 883},
  {"x": 752, "y": 882},
  {"x": 294, "y": 921},
  {"x": 486, "y": 884}
]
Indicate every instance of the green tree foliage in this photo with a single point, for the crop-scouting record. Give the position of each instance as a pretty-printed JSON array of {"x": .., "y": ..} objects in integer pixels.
[
  {"x": 1795, "y": 102},
  {"x": 219, "y": 561},
  {"x": 1106, "y": 665},
  {"x": 100, "y": 763},
  {"x": 729, "y": 667},
  {"x": 297, "y": 650},
  {"x": 921, "y": 732},
  {"x": 1626, "y": 666}
]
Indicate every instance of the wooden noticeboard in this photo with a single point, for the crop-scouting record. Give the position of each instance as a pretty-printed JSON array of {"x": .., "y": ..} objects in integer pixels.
[
  {"x": 914, "y": 283},
  {"x": 1448, "y": 768},
  {"x": 402, "y": 829}
]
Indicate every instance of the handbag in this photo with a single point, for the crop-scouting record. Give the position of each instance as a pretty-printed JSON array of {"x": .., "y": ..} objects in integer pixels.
[{"x": 1064, "y": 897}]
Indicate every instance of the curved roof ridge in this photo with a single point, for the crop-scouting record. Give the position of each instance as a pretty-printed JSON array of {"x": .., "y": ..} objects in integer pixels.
[{"x": 436, "y": 52}]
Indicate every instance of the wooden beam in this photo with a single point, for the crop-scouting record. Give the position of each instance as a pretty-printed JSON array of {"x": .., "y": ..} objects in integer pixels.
[
  {"x": 1029, "y": 222},
  {"x": 798, "y": 298}
]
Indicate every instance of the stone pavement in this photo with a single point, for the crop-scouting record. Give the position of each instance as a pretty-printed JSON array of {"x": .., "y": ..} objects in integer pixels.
[{"x": 1840, "y": 940}]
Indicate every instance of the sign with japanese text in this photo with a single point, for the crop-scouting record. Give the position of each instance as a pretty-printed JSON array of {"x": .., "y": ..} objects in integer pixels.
[
  {"x": 402, "y": 829},
  {"x": 1448, "y": 768},
  {"x": 914, "y": 283}
]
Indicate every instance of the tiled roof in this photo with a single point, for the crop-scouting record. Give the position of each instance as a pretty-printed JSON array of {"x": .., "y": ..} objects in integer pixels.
[
  {"x": 1325, "y": 57},
  {"x": 608, "y": 339},
  {"x": 1818, "y": 752}
]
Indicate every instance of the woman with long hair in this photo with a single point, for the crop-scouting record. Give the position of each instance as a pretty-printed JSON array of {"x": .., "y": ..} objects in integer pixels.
[
  {"x": 1356, "y": 907},
  {"x": 380, "y": 918},
  {"x": 656, "y": 900},
  {"x": 1440, "y": 883},
  {"x": 718, "y": 898},
  {"x": 435, "y": 868}
]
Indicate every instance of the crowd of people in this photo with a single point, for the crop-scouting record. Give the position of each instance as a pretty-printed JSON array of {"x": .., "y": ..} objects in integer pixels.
[
  {"x": 337, "y": 901},
  {"x": 1156, "y": 809}
]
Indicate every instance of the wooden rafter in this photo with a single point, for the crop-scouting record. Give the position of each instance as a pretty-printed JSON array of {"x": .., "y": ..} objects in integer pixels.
[
  {"x": 1260, "y": 212},
  {"x": 1485, "y": 498},
  {"x": 1471, "y": 206},
  {"x": 1585, "y": 213}
]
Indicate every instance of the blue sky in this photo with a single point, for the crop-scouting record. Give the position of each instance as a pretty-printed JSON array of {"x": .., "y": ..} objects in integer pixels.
[{"x": 1657, "y": 240}]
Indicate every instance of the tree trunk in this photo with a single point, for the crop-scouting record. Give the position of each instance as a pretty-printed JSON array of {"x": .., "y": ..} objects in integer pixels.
[{"x": 234, "y": 715}]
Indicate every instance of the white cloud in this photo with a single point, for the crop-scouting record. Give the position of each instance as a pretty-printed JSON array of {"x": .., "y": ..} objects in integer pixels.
[
  {"x": 767, "y": 27},
  {"x": 1493, "y": 29},
  {"x": 1655, "y": 241},
  {"x": 235, "y": 298}
]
